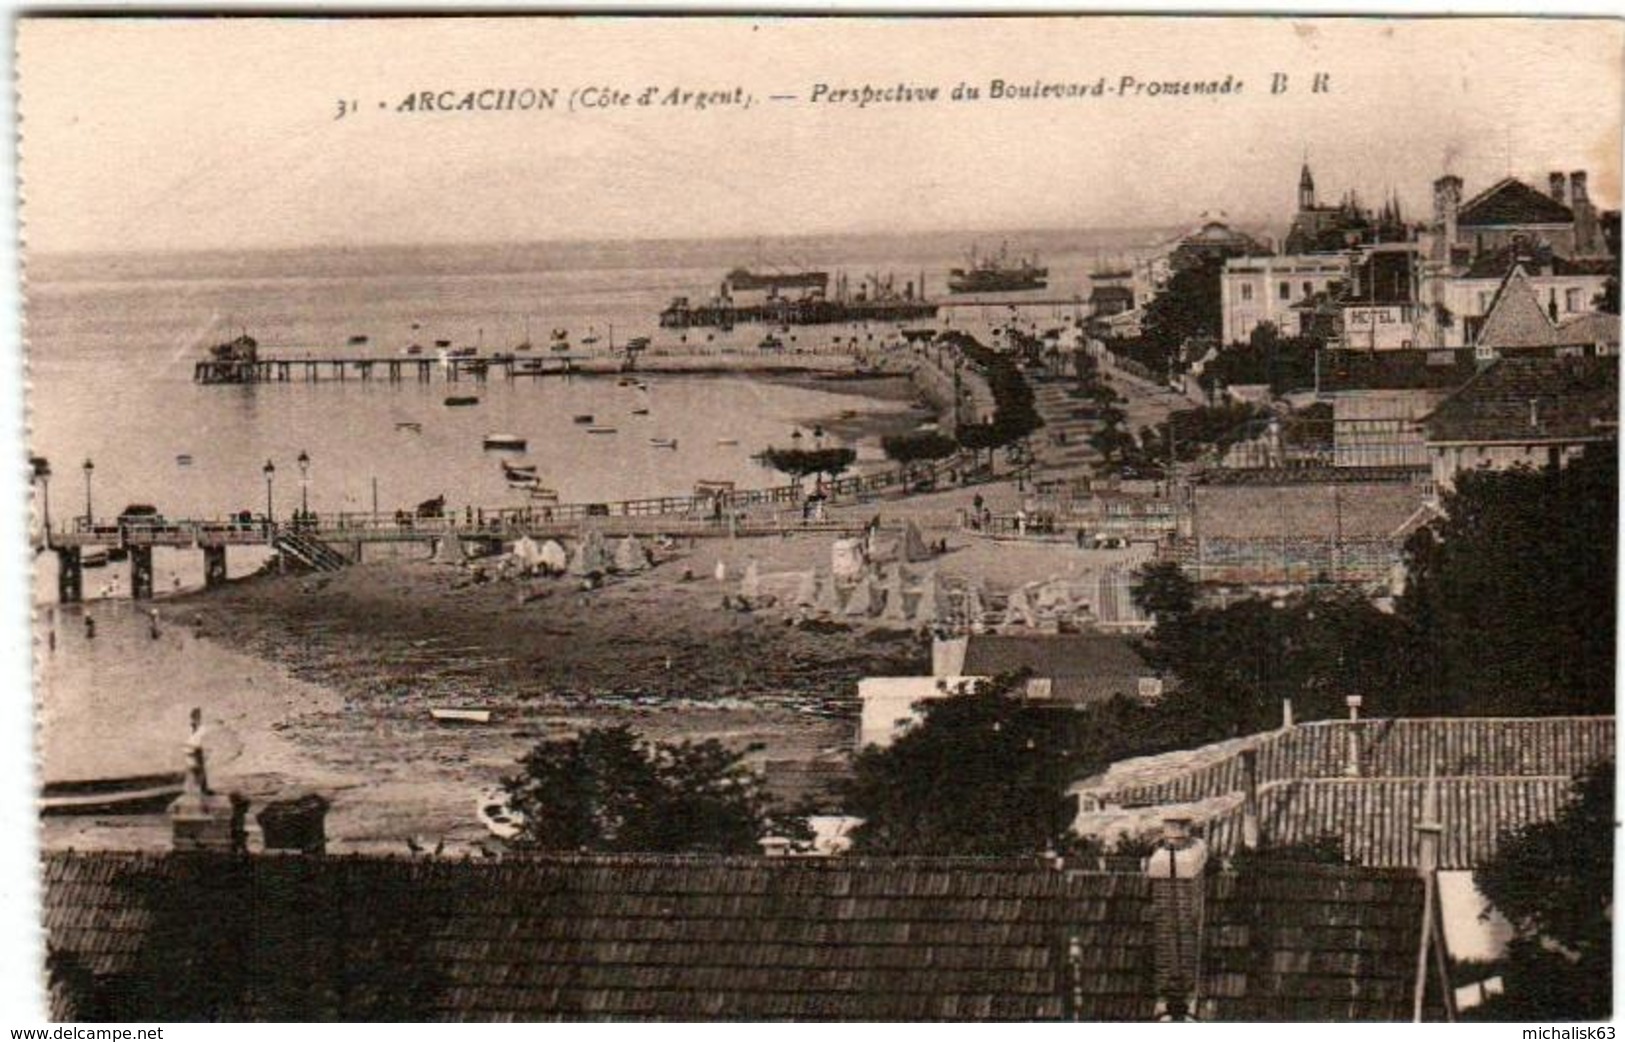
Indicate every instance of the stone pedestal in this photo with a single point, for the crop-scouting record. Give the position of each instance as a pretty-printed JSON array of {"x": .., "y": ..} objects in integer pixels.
[{"x": 209, "y": 821}]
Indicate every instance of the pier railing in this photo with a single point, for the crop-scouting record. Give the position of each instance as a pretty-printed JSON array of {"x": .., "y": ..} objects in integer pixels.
[{"x": 745, "y": 510}]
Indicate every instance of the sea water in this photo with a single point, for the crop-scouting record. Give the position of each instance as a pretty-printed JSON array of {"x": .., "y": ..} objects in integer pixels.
[{"x": 112, "y": 340}]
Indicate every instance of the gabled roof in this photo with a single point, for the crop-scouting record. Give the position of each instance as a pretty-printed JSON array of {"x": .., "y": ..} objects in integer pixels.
[
  {"x": 1493, "y": 774},
  {"x": 1498, "y": 264},
  {"x": 179, "y": 937},
  {"x": 1394, "y": 370},
  {"x": 1084, "y": 667},
  {"x": 1532, "y": 401},
  {"x": 1516, "y": 318},
  {"x": 1511, "y": 202}
]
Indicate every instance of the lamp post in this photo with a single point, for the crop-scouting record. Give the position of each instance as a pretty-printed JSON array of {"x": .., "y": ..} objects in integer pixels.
[
  {"x": 304, "y": 482},
  {"x": 270, "y": 473},
  {"x": 89, "y": 468},
  {"x": 42, "y": 474}
]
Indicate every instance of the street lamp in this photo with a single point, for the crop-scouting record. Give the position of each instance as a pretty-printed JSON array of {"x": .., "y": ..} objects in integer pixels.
[
  {"x": 270, "y": 472},
  {"x": 304, "y": 482},
  {"x": 88, "y": 468},
  {"x": 42, "y": 474}
]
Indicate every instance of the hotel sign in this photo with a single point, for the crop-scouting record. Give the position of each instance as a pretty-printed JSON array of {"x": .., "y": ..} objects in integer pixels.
[{"x": 1365, "y": 318}]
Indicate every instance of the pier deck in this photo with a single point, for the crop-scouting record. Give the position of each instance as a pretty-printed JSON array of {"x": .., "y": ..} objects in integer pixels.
[{"x": 392, "y": 370}]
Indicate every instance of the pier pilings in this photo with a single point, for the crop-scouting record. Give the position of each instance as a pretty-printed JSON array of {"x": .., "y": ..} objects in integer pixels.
[
  {"x": 70, "y": 575},
  {"x": 141, "y": 573},
  {"x": 214, "y": 566}
]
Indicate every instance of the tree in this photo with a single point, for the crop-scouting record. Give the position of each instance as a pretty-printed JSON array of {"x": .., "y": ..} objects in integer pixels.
[
  {"x": 1608, "y": 299},
  {"x": 1162, "y": 589},
  {"x": 1189, "y": 308},
  {"x": 605, "y": 791},
  {"x": 1554, "y": 882},
  {"x": 912, "y": 448},
  {"x": 981, "y": 774},
  {"x": 1237, "y": 663},
  {"x": 1513, "y": 590},
  {"x": 799, "y": 463}
]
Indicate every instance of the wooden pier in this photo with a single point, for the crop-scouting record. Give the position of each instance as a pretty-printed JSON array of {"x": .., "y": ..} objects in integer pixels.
[
  {"x": 329, "y": 540},
  {"x": 392, "y": 370}
]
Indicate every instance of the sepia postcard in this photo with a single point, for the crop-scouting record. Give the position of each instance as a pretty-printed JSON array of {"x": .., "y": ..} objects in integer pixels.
[{"x": 770, "y": 518}]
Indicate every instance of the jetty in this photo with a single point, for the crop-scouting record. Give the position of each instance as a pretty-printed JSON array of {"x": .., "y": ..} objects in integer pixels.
[
  {"x": 252, "y": 369},
  {"x": 330, "y": 541}
]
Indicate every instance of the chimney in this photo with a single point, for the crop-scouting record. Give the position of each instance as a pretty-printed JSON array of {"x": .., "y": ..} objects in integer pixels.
[
  {"x": 1286, "y": 714},
  {"x": 1352, "y": 766},
  {"x": 1176, "y": 873},
  {"x": 1249, "y": 799},
  {"x": 1446, "y": 203},
  {"x": 1587, "y": 232},
  {"x": 1555, "y": 178}
]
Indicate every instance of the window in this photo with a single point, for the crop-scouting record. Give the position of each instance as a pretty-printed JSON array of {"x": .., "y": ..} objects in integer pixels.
[
  {"x": 1483, "y": 302},
  {"x": 1308, "y": 289},
  {"x": 1286, "y": 291},
  {"x": 1573, "y": 300},
  {"x": 1246, "y": 291}
]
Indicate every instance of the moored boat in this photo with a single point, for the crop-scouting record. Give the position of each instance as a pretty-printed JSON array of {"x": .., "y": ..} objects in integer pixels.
[
  {"x": 583, "y": 418},
  {"x": 505, "y": 442},
  {"x": 133, "y": 794},
  {"x": 663, "y": 443},
  {"x": 461, "y": 716},
  {"x": 462, "y": 399},
  {"x": 600, "y": 429}
]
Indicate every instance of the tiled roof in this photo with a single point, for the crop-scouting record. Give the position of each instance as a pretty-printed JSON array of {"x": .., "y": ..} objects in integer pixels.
[
  {"x": 1516, "y": 318},
  {"x": 1311, "y": 943},
  {"x": 640, "y": 938},
  {"x": 1498, "y": 264},
  {"x": 1574, "y": 400},
  {"x": 1493, "y": 773},
  {"x": 1083, "y": 667},
  {"x": 1394, "y": 370},
  {"x": 1510, "y": 201},
  {"x": 1376, "y": 817},
  {"x": 1367, "y": 510}
]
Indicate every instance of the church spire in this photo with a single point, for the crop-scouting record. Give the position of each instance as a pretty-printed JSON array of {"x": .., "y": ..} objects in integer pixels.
[{"x": 1306, "y": 188}]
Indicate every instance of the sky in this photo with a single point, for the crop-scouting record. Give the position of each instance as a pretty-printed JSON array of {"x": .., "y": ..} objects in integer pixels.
[{"x": 141, "y": 134}]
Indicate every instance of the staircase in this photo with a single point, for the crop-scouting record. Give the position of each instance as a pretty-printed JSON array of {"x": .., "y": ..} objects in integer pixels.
[{"x": 309, "y": 551}]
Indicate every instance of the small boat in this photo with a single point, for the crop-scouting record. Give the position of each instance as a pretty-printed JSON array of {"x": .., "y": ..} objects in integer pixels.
[
  {"x": 134, "y": 794},
  {"x": 589, "y": 339},
  {"x": 640, "y": 412},
  {"x": 583, "y": 418},
  {"x": 93, "y": 559},
  {"x": 727, "y": 441},
  {"x": 415, "y": 349},
  {"x": 549, "y": 494},
  {"x": 462, "y": 399},
  {"x": 359, "y": 338},
  {"x": 464, "y": 352},
  {"x": 442, "y": 343},
  {"x": 600, "y": 430},
  {"x": 522, "y": 484},
  {"x": 626, "y": 381},
  {"x": 183, "y": 460},
  {"x": 499, "y": 818},
  {"x": 663, "y": 443},
  {"x": 505, "y": 442},
  {"x": 409, "y": 425},
  {"x": 461, "y": 716},
  {"x": 519, "y": 469}
]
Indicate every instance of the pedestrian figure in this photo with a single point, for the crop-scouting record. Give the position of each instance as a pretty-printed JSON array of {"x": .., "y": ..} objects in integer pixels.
[
  {"x": 90, "y": 628},
  {"x": 152, "y": 624}
]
